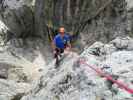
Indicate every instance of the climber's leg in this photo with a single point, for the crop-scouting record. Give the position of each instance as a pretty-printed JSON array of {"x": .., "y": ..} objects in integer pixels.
[{"x": 58, "y": 56}]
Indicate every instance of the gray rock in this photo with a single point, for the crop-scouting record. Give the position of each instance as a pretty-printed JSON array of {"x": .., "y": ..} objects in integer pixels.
[
  {"x": 10, "y": 90},
  {"x": 75, "y": 81},
  {"x": 19, "y": 21},
  {"x": 23, "y": 60}
]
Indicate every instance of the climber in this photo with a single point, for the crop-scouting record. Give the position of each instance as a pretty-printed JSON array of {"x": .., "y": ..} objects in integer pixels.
[{"x": 61, "y": 42}]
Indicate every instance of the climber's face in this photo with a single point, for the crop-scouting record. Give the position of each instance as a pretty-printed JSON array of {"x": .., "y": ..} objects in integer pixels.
[{"x": 62, "y": 30}]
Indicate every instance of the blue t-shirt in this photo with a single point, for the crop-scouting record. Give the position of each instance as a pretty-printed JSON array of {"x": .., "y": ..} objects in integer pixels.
[{"x": 61, "y": 41}]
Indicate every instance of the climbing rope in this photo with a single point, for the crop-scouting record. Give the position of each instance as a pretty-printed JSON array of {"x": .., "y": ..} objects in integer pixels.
[{"x": 108, "y": 77}]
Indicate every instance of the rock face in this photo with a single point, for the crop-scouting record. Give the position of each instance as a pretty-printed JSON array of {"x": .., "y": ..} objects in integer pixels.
[
  {"x": 18, "y": 17},
  {"x": 22, "y": 60},
  {"x": 129, "y": 4},
  {"x": 76, "y": 81},
  {"x": 98, "y": 20},
  {"x": 14, "y": 4},
  {"x": 3, "y": 33},
  {"x": 9, "y": 90},
  {"x": 101, "y": 20},
  {"x": 22, "y": 21}
]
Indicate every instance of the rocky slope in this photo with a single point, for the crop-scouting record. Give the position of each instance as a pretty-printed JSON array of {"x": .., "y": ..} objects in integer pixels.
[
  {"x": 32, "y": 79},
  {"x": 75, "y": 81},
  {"x": 10, "y": 90},
  {"x": 23, "y": 59},
  {"x": 21, "y": 62}
]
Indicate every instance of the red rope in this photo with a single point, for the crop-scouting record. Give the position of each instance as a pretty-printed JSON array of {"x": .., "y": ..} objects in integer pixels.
[{"x": 108, "y": 77}]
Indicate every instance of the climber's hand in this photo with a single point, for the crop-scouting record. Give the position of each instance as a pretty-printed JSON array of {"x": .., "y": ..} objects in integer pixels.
[
  {"x": 67, "y": 50},
  {"x": 54, "y": 51}
]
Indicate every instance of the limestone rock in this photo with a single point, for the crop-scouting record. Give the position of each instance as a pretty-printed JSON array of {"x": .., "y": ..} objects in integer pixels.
[
  {"x": 10, "y": 90},
  {"x": 76, "y": 81},
  {"x": 22, "y": 60},
  {"x": 18, "y": 16}
]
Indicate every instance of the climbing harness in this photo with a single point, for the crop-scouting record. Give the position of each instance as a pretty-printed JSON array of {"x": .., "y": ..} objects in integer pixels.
[{"x": 108, "y": 77}]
